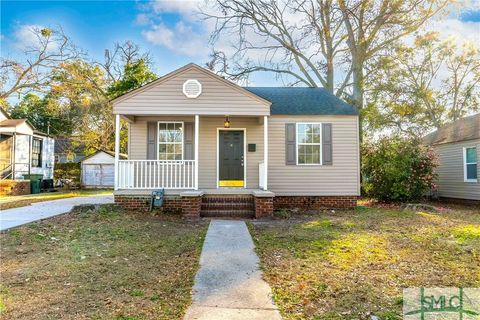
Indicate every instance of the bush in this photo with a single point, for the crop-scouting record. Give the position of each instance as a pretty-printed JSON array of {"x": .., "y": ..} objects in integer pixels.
[
  {"x": 397, "y": 169},
  {"x": 67, "y": 171}
]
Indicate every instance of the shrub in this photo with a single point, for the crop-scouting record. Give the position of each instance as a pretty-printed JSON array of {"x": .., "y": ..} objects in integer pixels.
[
  {"x": 67, "y": 171},
  {"x": 397, "y": 169}
]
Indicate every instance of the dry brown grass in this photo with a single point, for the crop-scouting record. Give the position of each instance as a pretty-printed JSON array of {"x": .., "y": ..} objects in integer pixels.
[
  {"x": 351, "y": 264},
  {"x": 100, "y": 265}
]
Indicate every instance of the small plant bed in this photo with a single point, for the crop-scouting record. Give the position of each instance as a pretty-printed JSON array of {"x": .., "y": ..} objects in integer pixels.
[
  {"x": 107, "y": 264},
  {"x": 8, "y": 202},
  {"x": 355, "y": 264}
]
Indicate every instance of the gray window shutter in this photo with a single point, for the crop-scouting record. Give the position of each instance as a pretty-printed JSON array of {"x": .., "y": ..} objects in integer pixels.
[
  {"x": 290, "y": 144},
  {"x": 327, "y": 158},
  {"x": 188, "y": 141},
  {"x": 152, "y": 130}
]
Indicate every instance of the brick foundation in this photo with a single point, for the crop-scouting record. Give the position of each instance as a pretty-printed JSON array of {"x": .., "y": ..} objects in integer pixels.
[
  {"x": 191, "y": 205},
  {"x": 263, "y": 207},
  {"x": 171, "y": 204},
  {"x": 315, "y": 202}
]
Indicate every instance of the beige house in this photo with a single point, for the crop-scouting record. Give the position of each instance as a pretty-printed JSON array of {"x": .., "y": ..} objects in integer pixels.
[
  {"x": 457, "y": 146},
  {"x": 215, "y": 146}
]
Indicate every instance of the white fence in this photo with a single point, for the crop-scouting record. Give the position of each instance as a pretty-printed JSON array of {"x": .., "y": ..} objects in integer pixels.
[{"x": 156, "y": 174}]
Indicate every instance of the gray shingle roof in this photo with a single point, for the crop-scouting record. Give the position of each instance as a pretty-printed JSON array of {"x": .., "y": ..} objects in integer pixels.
[
  {"x": 301, "y": 100},
  {"x": 467, "y": 128}
]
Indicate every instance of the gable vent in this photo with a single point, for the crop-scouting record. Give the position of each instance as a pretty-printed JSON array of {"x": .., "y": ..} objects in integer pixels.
[{"x": 192, "y": 88}]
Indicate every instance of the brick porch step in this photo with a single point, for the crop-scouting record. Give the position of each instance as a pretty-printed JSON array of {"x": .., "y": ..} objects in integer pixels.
[
  {"x": 247, "y": 214},
  {"x": 229, "y": 206}
]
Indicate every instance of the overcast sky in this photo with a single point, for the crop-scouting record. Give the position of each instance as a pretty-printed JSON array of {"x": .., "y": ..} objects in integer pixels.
[{"x": 170, "y": 30}]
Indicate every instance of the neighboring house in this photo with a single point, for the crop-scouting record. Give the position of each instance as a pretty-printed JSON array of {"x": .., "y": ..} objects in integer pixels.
[
  {"x": 457, "y": 146},
  {"x": 66, "y": 152},
  {"x": 200, "y": 137},
  {"x": 23, "y": 149},
  {"x": 98, "y": 169}
]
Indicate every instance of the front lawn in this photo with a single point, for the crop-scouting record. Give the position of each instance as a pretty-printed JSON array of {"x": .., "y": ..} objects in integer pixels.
[
  {"x": 107, "y": 264},
  {"x": 352, "y": 264},
  {"x": 7, "y": 202}
]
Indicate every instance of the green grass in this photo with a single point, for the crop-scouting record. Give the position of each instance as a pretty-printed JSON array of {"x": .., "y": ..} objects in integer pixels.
[
  {"x": 7, "y": 202},
  {"x": 107, "y": 264},
  {"x": 350, "y": 264}
]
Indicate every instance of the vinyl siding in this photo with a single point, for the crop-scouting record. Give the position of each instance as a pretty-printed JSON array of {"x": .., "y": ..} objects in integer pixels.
[
  {"x": 341, "y": 178},
  {"x": 451, "y": 182},
  {"x": 23, "y": 157},
  {"x": 167, "y": 98},
  {"x": 208, "y": 145}
]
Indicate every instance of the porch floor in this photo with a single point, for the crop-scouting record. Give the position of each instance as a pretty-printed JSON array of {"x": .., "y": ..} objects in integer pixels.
[{"x": 221, "y": 191}]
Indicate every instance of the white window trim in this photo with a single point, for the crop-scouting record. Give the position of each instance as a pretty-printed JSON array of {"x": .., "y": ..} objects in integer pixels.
[
  {"x": 158, "y": 139},
  {"x": 465, "y": 179},
  {"x": 40, "y": 164},
  {"x": 296, "y": 144}
]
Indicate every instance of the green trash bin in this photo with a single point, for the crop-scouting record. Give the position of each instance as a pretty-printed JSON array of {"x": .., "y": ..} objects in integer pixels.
[{"x": 35, "y": 181}]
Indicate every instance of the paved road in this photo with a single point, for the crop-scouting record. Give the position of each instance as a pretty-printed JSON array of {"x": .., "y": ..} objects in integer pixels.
[
  {"x": 229, "y": 284},
  {"x": 41, "y": 210}
]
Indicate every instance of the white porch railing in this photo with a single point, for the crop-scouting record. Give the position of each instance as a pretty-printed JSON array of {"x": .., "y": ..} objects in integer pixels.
[{"x": 156, "y": 174}]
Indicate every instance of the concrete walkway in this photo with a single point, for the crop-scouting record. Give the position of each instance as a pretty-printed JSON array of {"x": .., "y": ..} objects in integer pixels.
[
  {"x": 41, "y": 210},
  {"x": 229, "y": 284}
]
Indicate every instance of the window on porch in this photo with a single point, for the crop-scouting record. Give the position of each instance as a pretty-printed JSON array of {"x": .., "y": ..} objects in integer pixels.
[{"x": 170, "y": 141}]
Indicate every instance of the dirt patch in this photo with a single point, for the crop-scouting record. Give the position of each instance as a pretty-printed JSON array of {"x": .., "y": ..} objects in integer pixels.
[{"x": 103, "y": 264}]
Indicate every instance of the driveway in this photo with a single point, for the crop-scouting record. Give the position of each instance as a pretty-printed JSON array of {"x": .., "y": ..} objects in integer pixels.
[
  {"x": 229, "y": 284},
  {"x": 41, "y": 210}
]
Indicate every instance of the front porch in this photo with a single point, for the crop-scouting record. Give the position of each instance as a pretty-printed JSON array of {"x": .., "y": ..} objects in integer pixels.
[
  {"x": 203, "y": 171},
  {"x": 179, "y": 153}
]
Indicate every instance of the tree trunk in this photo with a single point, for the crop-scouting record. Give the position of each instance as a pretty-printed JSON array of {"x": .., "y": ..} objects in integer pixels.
[
  {"x": 358, "y": 91},
  {"x": 329, "y": 76}
]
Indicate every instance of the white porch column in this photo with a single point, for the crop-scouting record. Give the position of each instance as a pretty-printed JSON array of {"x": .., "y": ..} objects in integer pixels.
[
  {"x": 265, "y": 152},
  {"x": 197, "y": 129},
  {"x": 117, "y": 149}
]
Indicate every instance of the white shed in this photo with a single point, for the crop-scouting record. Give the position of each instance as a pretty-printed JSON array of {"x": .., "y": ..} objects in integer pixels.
[{"x": 98, "y": 169}]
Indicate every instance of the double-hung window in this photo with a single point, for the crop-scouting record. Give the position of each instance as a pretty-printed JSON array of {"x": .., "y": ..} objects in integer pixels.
[
  {"x": 170, "y": 140},
  {"x": 470, "y": 164},
  {"x": 36, "y": 152},
  {"x": 309, "y": 141}
]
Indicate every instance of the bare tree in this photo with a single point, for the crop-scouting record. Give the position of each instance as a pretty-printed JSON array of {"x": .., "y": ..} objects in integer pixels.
[
  {"x": 50, "y": 49},
  {"x": 299, "y": 39},
  {"x": 374, "y": 25},
  {"x": 121, "y": 55},
  {"x": 311, "y": 41}
]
